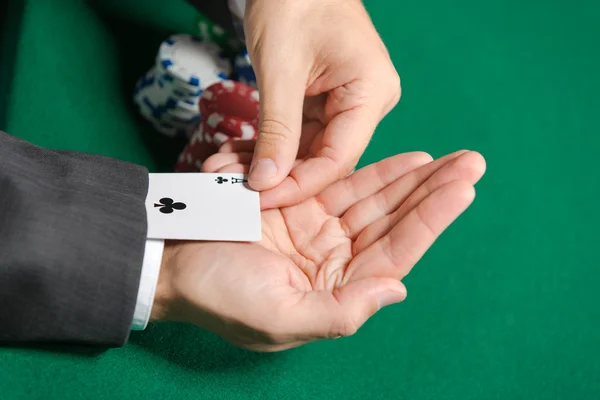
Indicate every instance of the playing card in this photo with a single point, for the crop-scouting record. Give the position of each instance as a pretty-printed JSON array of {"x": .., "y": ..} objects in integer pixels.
[{"x": 202, "y": 206}]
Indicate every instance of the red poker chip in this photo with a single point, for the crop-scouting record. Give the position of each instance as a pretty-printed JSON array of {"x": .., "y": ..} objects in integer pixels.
[
  {"x": 229, "y": 111},
  {"x": 196, "y": 152},
  {"x": 185, "y": 164},
  {"x": 230, "y": 98},
  {"x": 208, "y": 131},
  {"x": 237, "y": 128}
]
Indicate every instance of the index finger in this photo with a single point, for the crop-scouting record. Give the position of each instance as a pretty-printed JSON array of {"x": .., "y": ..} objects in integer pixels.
[{"x": 346, "y": 137}]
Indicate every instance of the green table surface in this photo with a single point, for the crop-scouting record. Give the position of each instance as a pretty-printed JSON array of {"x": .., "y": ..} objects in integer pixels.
[{"x": 504, "y": 306}]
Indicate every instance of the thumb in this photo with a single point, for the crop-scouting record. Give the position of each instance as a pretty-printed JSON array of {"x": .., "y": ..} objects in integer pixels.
[
  {"x": 323, "y": 314},
  {"x": 280, "y": 124}
]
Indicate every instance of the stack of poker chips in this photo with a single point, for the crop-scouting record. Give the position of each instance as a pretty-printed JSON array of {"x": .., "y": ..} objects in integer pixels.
[
  {"x": 231, "y": 112},
  {"x": 243, "y": 69},
  {"x": 168, "y": 95}
]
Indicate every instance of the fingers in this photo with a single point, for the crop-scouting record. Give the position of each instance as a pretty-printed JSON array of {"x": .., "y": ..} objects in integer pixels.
[
  {"x": 367, "y": 181},
  {"x": 238, "y": 146},
  {"x": 468, "y": 166},
  {"x": 396, "y": 253},
  {"x": 390, "y": 196},
  {"x": 218, "y": 161},
  {"x": 281, "y": 98},
  {"x": 235, "y": 169},
  {"x": 311, "y": 140},
  {"x": 335, "y": 160},
  {"x": 327, "y": 315},
  {"x": 269, "y": 348}
]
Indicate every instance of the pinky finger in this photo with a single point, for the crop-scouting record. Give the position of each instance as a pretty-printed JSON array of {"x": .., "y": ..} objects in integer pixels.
[
  {"x": 235, "y": 169},
  {"x": 221, "y": 160},
  {"x": 238, "y": 146}
]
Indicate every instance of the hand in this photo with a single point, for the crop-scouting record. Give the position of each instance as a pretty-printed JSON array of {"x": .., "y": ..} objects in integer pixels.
[
  {"x": 325, "y": 80},
  {"x": 235, "y": 157},
  {"x": 324, "y": 266}
]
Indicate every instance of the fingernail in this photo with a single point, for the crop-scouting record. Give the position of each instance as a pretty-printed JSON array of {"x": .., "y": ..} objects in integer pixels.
[
  {"x": 263, "y": 169},
  {"x": 388, "y": 298}
]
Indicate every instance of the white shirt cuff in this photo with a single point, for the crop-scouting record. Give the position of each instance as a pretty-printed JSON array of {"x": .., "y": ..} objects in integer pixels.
[{"x": 149, "y": 279}]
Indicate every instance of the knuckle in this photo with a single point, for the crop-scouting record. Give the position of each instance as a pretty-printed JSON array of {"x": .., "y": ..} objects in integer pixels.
[
  {"x": 272, "y": 130},
  {"x": 344, "y": 327},
  {"x": 343, "y": 168}
]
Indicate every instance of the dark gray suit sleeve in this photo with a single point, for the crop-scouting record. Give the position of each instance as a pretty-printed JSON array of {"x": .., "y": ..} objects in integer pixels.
[
  {"x": 217, "y": 11},
  {"x": 72, "y": 240}
]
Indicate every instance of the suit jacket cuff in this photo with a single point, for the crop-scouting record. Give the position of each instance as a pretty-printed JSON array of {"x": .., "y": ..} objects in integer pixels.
[{"x": 72, "y": 232}]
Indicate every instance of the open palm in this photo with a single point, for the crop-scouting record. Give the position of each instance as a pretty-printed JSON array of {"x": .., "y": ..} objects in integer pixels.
[{"x": 326, "y": 265}]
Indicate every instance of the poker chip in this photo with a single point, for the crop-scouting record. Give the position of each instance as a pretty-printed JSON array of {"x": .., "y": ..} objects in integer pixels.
[
  {"x": 231, "y": 98},
  {"x": 230, "y": 111},
  {"x": 167, "y": 115},
  {"x": 191, "y": 62},
  {"x": 192, "y": 156},
  {"x": 168, "y": 95},
  {"x": 243, "y": 69},
  {"x": 233, "y": 128}
]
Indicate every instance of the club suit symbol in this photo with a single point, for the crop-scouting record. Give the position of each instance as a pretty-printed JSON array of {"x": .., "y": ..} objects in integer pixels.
[
  {"x": 167, "y": 205},
  {"x": 220, "y": 180}
]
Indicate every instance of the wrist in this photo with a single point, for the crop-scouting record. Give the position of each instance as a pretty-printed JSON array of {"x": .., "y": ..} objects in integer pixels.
[{"x": 164, "y": 296}]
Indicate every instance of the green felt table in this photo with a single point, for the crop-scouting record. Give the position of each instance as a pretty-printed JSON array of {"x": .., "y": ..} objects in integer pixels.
[{"x": 505, "y": 305}]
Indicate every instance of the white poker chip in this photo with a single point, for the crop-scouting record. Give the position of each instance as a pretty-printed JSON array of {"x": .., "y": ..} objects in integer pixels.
[
  {"x": 168, "y": 121},
  {"x": 166, "y": 78},
  {"x": 193, "y": 62},
  {"x": 167, "y": 131},
  {"x": 168, "y": 94},
  {"x": 169, "y": 115}
]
